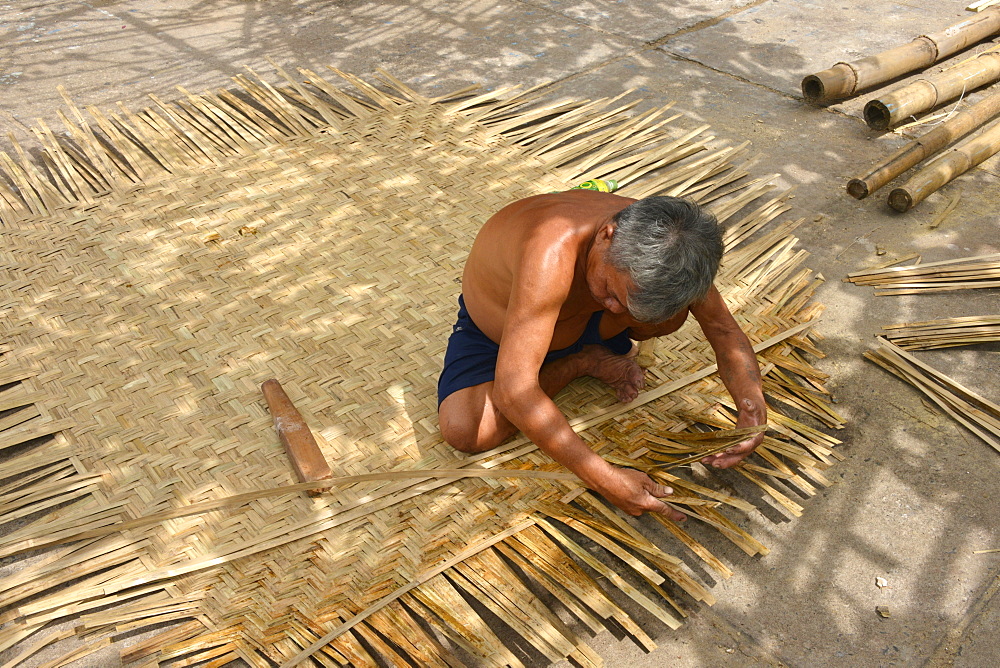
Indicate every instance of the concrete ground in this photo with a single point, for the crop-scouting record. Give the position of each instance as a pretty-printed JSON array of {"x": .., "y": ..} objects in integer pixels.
[{"x": 915, "y": 496}]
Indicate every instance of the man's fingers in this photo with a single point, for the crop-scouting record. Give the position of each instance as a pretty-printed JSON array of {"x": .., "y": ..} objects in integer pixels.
[
  {"x": 731, "y": 456},
  {"x": 659, "y": 490},
  {"x": 657, "y": 506}
]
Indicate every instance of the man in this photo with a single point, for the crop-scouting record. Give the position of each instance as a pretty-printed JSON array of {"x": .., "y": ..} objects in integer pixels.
[{"x": 554, "y": 288}]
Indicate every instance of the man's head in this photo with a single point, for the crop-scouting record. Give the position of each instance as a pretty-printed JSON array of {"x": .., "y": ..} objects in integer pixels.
[{"x": 671, "y": 248}]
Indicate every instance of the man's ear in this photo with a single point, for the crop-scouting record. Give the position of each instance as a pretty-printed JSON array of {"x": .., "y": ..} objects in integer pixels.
[{"x": 608, "y": 231}]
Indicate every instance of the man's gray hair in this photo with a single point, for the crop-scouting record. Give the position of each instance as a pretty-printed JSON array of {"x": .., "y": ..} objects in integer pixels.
[{"x": 671, "y": 248}]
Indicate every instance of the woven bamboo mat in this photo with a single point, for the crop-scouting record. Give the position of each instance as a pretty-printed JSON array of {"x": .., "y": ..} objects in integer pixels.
[{"x": 157, "y": 266}]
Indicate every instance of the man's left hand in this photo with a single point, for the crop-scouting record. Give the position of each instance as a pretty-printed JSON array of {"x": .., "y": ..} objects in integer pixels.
[{"x": 752, "y": 414}]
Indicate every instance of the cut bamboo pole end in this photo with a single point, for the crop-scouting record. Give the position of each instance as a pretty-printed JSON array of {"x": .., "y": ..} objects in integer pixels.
[
  {"x": 847, "y": 79},
  {"x": 932, "y": 90},
  {"x": 945, "y": 168},
  {"x": 925, "y": 146},
  {"x": 295, "y": 436}
]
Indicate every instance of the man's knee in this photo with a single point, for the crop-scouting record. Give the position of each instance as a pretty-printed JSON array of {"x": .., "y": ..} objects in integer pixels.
[
  {"x": 462, "y": 437},
  {"x": 462, "y": 427}
]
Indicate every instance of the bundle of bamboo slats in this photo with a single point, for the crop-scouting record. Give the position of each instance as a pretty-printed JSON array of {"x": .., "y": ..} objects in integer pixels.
[
  {"x": 979, "y": 415},
  {"x": 944, "y": 333},
  {"x": 981, "y": 271},
  {"x": 144, "y": 461}
]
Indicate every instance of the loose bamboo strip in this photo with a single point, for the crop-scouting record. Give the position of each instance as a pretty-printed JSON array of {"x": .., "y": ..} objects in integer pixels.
[
  {"x": 931, "y": 90},
  {"x": 789, "y": 505},
  {"x": 460, "y": 621},
  {"x": 458, "y": 558},
  {"x": 530, "y": 624},
  {"x": 310, "y": 100},
  {"x": 298, "y": 123},
  {"x": 423, "y": 649},
  {"x": 151, "y": 645},
  {"x": 228, "y": 125},
  {"x": 60, "y": 164},
  {"x": 915, "y": 269},
  {"x": 978, "y": 414},
  {"x": 77, "y": 654},
  {"x": 53, "y": 492},
  {"x": 668, "y": 564},
  {"x": 52, "y": 472},
  {"x": 976, "y": 267},
  {"x": 196, "y": 118},
  {"x": 35, "y": 647},
  {"x": 25, "y": 192},
  {"x": 535, "y": 546},
  {"x": 946, "y": 168},
  {"x": 383, "y": 99},
  {"x": 20, "y": 541},
  {"x": 31, "y": 430},
  {"x": 586, "y": 530},
  {"x": 697, "y": 548},
  {"x": 923, "y": 147},
  {"x": 641, "y": 133},
  {"x": 847, "y": 79},
  {"x": 579, "y": 611},
  {"x": 247, "y": 497},
  {"x": 85, "y": 138},
  {"x": 944, "y": 333},
  {"x": 578, "y": 120},
  {"x": 613, "y": 577},
  {"x": 978, "y": 422}
]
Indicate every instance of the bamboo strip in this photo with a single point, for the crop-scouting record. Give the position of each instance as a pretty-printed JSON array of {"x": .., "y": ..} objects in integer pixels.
[
  {"x": 85, "y": 138},
  {"x": 530, "y": 624},
  {"x": 458, "y": 558},
  {"x": 975, "y": 412},
  {"x": 944, "y": 333},
  {"x": 460, "y": 622},
  {"x": 247, "y": 497},
  {"x": 610, "y": 575},
  {"x": 579, "y": 611}
]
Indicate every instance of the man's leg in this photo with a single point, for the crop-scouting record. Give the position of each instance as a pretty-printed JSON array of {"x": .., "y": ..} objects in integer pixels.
[{"x": 470, "y": 421}]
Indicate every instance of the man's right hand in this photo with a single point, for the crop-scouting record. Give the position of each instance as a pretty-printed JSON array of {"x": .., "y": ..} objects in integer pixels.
[{"x": 635, "y": 493}]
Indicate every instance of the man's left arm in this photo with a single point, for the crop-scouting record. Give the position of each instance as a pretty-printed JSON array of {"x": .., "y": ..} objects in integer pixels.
[{"x": 738, "y": 369}]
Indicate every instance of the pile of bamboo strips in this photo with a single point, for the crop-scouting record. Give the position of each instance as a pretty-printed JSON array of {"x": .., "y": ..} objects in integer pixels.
[
  {"x": 930, "y": 91},
  {"x": 979, "y": 415},
  {"x": 944, "y": 333},
  {"x": 125, "y": 264},
  {"x": 981, "y": 271}
]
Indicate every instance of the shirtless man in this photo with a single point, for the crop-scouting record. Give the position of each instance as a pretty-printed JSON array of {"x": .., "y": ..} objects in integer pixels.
[{"x": 554, "y": 288}]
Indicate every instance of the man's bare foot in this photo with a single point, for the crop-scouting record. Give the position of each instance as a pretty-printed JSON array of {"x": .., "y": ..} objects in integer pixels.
[{"x": 621, "y": 372}]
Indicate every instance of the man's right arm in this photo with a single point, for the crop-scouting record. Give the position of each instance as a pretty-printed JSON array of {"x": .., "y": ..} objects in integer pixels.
[{"x": 541, "y": 286}]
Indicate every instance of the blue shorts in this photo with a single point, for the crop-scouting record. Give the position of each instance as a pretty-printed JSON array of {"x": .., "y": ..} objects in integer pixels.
[{"x": 471, "y": 357}]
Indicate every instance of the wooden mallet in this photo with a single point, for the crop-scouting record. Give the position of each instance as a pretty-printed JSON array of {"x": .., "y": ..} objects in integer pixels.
[{"x": 294, "y": 433}]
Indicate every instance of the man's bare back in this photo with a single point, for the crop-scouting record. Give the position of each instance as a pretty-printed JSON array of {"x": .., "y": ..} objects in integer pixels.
[
  {"x": 540, "y": 274},
  {"x": 537, "y": 229}
]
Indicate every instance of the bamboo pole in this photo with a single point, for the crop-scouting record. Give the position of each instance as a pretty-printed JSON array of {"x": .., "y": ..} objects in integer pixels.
[
  {"x": 925, "y": 146},
  {"x": 945, "y": 169},
  {"x": 931, "y": 91},
  {"x": 847, "y": 79}
]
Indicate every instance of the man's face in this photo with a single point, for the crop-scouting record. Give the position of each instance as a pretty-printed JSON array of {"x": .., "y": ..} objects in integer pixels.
[{"x": 610, "y": 287}]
